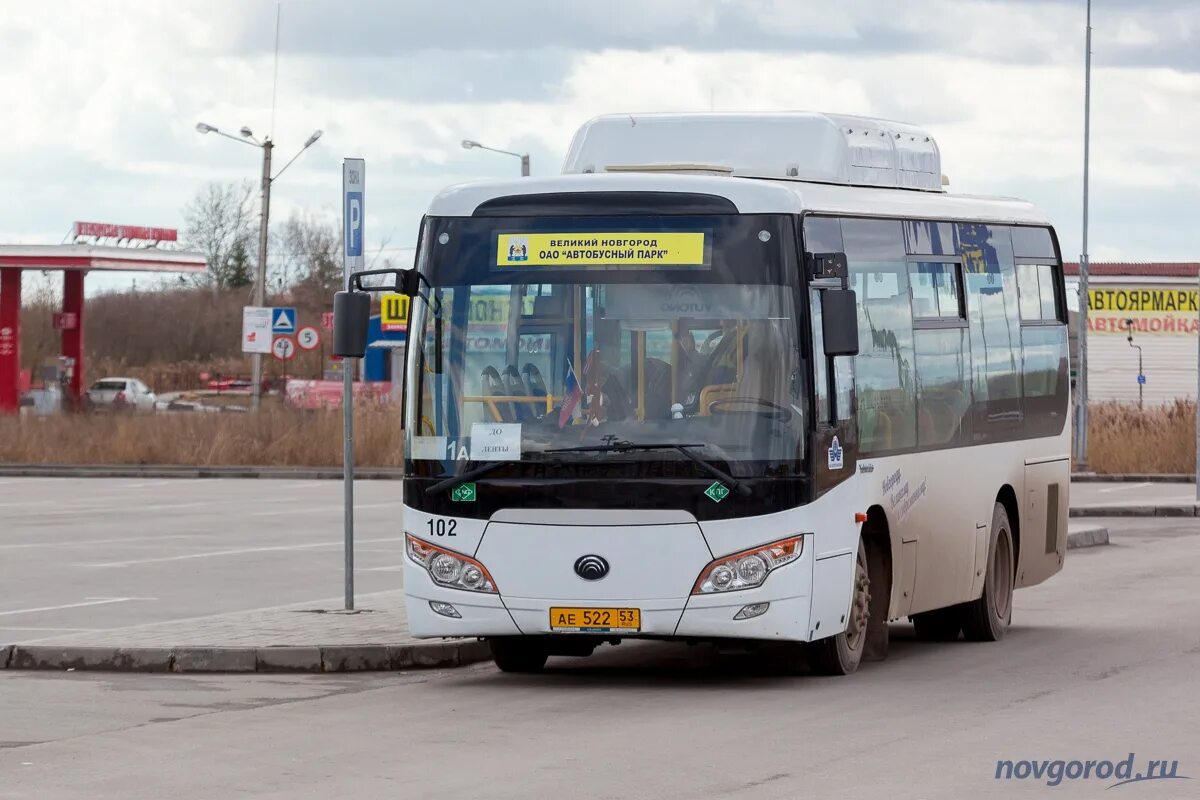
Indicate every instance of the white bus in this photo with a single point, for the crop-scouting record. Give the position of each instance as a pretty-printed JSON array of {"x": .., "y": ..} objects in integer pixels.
[{"x": 746, "y": 379}]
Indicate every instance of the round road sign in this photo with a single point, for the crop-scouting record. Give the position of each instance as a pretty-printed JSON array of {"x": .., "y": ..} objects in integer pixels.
[
  {"x": 283, "y": 348},
  {"x": 308, "y": 338}
]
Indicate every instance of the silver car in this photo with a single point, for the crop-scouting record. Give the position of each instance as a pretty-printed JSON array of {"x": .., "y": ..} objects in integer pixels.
[{"x": 121, "y": 393}]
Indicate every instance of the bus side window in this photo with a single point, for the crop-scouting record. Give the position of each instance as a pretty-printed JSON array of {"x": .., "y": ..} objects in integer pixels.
[{"x": 884, "y": 380}]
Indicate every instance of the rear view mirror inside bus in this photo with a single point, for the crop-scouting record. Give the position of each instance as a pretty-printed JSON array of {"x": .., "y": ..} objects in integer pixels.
[
  {"x": 351, "y": 316},
  {"x": 839, "y": 322}
]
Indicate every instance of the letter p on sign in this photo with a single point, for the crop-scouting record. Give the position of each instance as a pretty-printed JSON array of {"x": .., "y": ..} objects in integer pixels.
[{"x": 354, "y": 228}]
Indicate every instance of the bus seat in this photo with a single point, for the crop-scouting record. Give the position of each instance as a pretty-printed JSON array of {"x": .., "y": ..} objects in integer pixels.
[
  {"x": 657, "y": 389},
  {"x": 877, "y": 434},
  {"x": 713, "y": 393},
  {"x": 515, "y": 387},
  {"x": 493, "y": 388},
  {"x": 927, "y": 427},
  {"x": 534, "y": 383}
]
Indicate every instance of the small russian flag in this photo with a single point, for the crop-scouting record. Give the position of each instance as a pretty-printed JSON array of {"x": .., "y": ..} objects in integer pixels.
[{"x": 572, "y": 396}]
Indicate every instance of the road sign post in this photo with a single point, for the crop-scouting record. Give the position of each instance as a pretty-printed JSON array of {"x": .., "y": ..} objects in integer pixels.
[{"x": 354, "y": 175}]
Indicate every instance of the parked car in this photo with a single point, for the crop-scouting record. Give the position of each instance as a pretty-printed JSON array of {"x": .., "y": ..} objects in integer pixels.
[{"x": 118, "y": 393}]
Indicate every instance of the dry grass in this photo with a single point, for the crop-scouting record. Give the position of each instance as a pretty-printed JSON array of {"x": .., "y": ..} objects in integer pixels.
[
  {"x": 285, "y": 437},
  {"x": 1157, "y": 440},
  {"x": 1122, "y": 438}
]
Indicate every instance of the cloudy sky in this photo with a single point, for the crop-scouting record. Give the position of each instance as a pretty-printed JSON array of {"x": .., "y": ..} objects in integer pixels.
[{"x": 99, "y": 99}]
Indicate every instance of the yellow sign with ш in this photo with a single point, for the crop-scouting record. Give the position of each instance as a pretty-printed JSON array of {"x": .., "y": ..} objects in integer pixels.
[{"x": 393, "y": 312}]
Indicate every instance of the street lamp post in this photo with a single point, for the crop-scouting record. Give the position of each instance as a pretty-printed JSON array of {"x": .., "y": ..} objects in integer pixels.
[
  {"x": 469, "y": 144},
  {"x": 260, "y": 278},
  {"x": 1081, "y": 382},
  {"x": 1141, "y": 378}
]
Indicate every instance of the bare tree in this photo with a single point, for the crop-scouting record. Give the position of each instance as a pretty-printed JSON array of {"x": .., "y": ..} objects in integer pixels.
[
  {"x": 220, "y": 224},
  {"x": 309, "y": 259}
]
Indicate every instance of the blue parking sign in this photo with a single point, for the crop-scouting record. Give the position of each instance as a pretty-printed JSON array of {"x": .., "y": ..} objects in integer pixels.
[
  {"x": 354, "y": 227},
  {"x": 283, "y": 320}
]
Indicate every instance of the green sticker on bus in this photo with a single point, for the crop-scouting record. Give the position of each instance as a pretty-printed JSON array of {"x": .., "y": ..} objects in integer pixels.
[
  {"x": 717, "y": 492},
  {"x": 463, "y": 493}
]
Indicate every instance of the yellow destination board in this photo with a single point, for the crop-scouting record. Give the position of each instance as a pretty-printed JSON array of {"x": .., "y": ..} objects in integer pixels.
[{"x": 630, "y": 248}]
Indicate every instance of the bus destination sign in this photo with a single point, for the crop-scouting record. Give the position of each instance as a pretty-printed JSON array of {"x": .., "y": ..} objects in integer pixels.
[{"x": 628, "y": 248}]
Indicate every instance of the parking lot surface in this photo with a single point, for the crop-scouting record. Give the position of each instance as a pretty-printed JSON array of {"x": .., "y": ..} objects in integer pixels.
[
  {"x": 90, "y": 554},
  {"x": 1102, "y": 661}
]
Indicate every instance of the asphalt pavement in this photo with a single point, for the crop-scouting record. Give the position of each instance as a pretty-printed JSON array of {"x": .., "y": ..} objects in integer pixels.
[
  {"x": 90, "y": 554},
  {"x": 1102, "y": 661}
]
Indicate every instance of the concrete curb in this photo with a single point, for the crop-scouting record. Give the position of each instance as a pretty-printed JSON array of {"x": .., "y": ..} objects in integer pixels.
[
  {"x": 332, "y": 658},
  {"x": 1088, "y": 537},
  {"x": 1131, "y": 477},
  {"x": 1174, "y": 510},
  {"x": 184, "y": 471}
]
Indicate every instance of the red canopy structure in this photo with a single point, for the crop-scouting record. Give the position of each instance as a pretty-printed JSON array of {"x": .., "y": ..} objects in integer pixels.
[{"x": 75, "y": 261}]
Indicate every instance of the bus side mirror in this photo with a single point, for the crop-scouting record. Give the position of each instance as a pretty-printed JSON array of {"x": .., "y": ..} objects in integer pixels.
[
  {"x": 839, "y": 322},
  {"x": 351, "y": 316}
]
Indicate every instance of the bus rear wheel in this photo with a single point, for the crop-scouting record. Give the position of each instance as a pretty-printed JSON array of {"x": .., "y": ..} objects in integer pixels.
[
  {"x": 987, "y": 619},
  {"x": 518, "y": 654},
  {"x": 841, "y": 654}
]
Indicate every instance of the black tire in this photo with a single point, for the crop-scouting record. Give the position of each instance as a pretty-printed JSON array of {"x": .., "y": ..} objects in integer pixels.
[
  {"x": 518, "y": 654},
  {"x": 987, "y": 619},
  {"x": 841, "y": 654},
  {"x": 940, "y": 625}
]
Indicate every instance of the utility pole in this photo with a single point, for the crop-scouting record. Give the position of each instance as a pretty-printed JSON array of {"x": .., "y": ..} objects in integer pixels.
[
  {"x": 1081, "y": 382},
  {"x": 260, "y": 279}
]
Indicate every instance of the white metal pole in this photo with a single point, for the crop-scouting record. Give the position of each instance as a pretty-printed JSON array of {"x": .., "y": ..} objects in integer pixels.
[
  {"x": 1081, "y": 381},
  {"x": 353, "y": 186}
]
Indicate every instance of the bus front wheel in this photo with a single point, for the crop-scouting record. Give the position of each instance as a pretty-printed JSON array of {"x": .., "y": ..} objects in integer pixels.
[
  {"x": 987, "y": 619},
  {"x": 518, "y": 654},
  {"x": 841, "y": 654}
]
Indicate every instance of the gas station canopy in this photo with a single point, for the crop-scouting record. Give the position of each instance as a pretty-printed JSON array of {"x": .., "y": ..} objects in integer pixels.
[
  {"x": 107, "y": 258},
  {"x": 99, "y": 246}
]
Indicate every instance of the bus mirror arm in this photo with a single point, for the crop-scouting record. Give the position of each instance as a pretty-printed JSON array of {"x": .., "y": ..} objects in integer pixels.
[{"x": 405, "y": 281}]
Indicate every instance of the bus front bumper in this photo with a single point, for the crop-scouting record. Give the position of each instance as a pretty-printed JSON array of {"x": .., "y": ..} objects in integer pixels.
[{"x": 697, "y": 617}]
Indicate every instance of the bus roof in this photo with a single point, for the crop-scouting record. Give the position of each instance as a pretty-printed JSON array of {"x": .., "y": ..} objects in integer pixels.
[{"x": 753, "y": 196}]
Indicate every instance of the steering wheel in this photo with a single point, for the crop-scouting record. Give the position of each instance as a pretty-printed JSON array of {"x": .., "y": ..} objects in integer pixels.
[{"x": 757, "y": 405}]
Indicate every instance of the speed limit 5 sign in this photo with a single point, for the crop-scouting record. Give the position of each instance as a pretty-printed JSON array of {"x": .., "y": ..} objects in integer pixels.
[{"x": 308, "y": 338}]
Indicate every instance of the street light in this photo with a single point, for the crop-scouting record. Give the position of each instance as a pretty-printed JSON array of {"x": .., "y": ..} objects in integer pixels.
[
  {"x": 260, "y": 279},
  {"x": 1141, "y": 379},
  {"x": 469, "y": 144}
]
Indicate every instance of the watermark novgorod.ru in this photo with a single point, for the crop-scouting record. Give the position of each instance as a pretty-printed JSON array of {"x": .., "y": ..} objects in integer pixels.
[{"x": 1054, "y": 772}]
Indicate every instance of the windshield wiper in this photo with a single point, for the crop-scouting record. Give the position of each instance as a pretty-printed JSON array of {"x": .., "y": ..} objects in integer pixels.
[
  {"x": 471, "y": 474},
  {"x": 621, "y": 446}
]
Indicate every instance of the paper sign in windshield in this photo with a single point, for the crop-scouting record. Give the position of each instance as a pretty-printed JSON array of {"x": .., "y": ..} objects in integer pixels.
[
  {"x": 496, "y": 441},
  {"x": 600, "y": 249}
]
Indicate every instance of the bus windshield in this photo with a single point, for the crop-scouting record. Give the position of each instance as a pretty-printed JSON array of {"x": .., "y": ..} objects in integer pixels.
[{"x": 592, "y": 341}]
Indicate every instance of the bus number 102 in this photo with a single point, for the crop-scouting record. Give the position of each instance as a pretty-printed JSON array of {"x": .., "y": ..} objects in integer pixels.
[{"x": 442, "y": 527}]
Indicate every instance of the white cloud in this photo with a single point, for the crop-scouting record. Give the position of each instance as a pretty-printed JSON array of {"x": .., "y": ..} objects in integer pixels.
[{"x": 101, "y": 101}]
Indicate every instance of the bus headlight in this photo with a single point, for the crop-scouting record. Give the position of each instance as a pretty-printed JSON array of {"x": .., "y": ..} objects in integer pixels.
[
  {"x": 448, "y": 568},
  {"x": 749, "y": 568}
]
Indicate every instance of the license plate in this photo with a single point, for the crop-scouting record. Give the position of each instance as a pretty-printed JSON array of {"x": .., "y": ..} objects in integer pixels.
[{"x": 593, "y": 620}]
